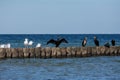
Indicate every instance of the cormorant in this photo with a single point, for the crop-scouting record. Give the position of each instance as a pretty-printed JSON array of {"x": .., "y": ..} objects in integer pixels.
[
  {"x": 96, "y": 41},
  {"x": 107, "y": 45},
  {"x": 57, "y": 42},
  {"x": 84, "y": 42},
  {"x": 113, "y": 42}
]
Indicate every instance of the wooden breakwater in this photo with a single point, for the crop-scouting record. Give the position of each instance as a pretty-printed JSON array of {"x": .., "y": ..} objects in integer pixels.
[{"x": 53, "y": 52}]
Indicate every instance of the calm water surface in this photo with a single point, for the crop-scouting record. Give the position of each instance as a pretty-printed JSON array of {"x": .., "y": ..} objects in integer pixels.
[
  {"x": 92, "y": 68},
  {"x": 16, "y": 40}
]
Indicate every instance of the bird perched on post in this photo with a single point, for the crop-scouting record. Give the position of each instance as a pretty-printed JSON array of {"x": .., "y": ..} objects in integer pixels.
[
  {"x": 84, "y": 42},
  {"x": 107, "y": 45},
  {"x": 2, "y": 46},
  {"x": 7, "y": 45},
  {"x": 57, "y": 42},
  {"x": 113, "y": 42},
  {"x": 38, "y": 45},
  {"x": 30, "y": 43},
  {"x": 96, "y": 41},
  {"x": 26, "y": 42}
]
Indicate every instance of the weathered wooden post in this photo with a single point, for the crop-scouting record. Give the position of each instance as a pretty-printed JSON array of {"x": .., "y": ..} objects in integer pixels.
[
  {"x": 84, "y": 51},
  {"x": 48, "y": 52},
  {"x": 54, "y": 52},
  {"x": 15, "y": 53},
  {"x": 112, "y": 51},
  {"x": 89, "y": 51},
  {"x": 69, "y": 52},
  {"x": 78, "y": 52},
  {"x": 58, "y": 54},
  {"x": 94, "y": 51},
  {"x": 63, "y": 52},
  {"x": 43, "y": 53},
  {"x": 32, "y": 52},
  {"x": 98, "y": 51},
  {"x": 21, "y": 53},
  {"x": 9, "y": 53},
  {"x": 102, "y": 51},
  {"x": 73, "y": 51},
  {"x": 38, "y": 52},
  {"x": 26, "y": 52},
  {"x": 2, "y": 53},
  {"x": 107, "y": 51},
  {"x": 118, "y": 50}
]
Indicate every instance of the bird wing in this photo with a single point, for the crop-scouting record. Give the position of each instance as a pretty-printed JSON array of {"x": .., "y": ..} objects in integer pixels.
[
  {"x": 64, "y": 40},
  {"x": 51, "y": 41}
]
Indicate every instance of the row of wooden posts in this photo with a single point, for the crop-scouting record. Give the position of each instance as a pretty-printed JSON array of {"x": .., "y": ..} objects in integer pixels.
[{"x": 53, "y": 52}]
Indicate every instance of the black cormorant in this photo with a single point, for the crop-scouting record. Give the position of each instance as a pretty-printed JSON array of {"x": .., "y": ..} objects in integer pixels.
[
  {"x": 57, "y": 42},
  {"x": 107, "y": 45},
  {"x": 113, "y": 42},
  {"x": 84, "y": 42},
  {"x": 96, "y": 41}
]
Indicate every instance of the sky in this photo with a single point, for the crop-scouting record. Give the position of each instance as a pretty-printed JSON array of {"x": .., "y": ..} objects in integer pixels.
[{"x": 59, "y": 16}]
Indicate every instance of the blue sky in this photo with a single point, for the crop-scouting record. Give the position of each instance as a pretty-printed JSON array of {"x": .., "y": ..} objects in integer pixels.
[{"x": 59, "y": 16}]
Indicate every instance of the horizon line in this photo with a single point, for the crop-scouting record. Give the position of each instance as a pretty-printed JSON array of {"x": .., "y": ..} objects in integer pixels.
[{"x": 51, "y": 33}]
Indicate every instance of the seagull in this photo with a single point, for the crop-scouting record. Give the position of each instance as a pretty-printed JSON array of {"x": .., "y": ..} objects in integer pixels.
[
  {"x": 30, "y": 43},
  {"x": 2, "y": 46},
  {"x": 7, "y": 45},
  {"x": 38, "y": 45},
  {"x": 26, "y": 42}
]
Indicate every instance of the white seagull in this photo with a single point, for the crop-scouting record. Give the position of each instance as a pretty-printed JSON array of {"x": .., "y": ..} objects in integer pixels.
[
  {"x": 7, "y": 45},
  {"x": 30, "y": 43},
  {"x": 2, "y": 46},
  {"x": 38, "y": 45},
  {"x": 26, "y": 42}
]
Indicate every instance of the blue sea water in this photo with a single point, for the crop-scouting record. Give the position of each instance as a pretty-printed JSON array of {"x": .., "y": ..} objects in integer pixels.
[
  {"x": 89, "y": 68},
  {"x": 16, "y": 40}
]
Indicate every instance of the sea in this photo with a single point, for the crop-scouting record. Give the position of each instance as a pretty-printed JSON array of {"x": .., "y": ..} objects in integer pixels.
[{"x": 88, "y": 68}]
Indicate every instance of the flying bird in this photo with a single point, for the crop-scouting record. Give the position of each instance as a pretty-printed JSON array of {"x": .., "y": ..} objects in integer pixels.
[{"x": 57, "y": 42}]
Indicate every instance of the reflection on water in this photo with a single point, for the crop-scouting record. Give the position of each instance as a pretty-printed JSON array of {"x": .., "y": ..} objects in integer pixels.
[{"x": 94, "y": 68}]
